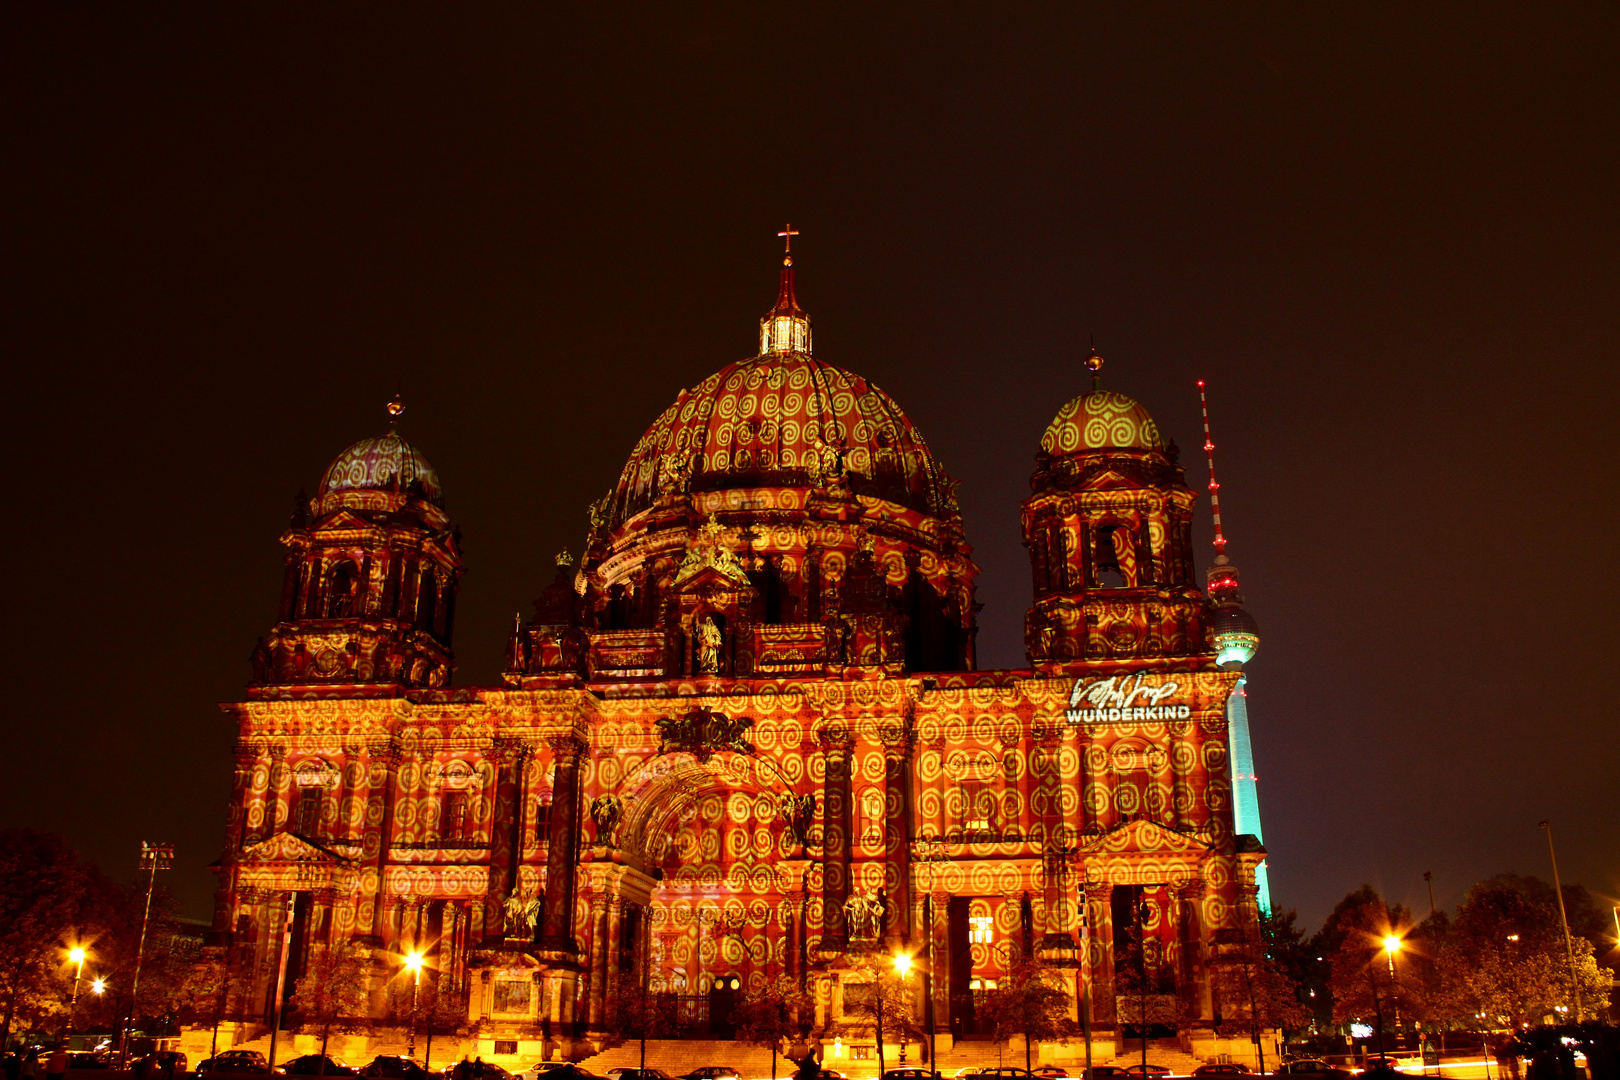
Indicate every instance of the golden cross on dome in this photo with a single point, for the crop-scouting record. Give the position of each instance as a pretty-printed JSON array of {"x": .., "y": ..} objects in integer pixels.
[{"x": 787, "y": 234}]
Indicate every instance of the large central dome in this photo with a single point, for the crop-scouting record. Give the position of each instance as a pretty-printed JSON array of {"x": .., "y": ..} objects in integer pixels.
[{"x": 784, "y": 419}]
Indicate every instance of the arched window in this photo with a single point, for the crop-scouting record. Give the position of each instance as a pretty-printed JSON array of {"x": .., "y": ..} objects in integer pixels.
[
  {"x": 343, "y": 590},
  {"x": 1115, "y": 557},
  {"x": 427, "y": 601}
]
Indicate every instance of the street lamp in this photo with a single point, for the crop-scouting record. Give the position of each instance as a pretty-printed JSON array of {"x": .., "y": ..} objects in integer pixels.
[
  {"x": 413, "y": 963},
  {"x": 1392, "y": 945},
  {"x": 902, "y": 965},
  {"x": 77, "y": 956}
]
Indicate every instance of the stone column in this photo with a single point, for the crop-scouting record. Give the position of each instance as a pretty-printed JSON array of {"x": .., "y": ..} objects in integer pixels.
[
  {"x": 1099, "y": 899},
  {"x": 898, "y": 743},
  {"x": 1046, "y": 763},
  {"x": 596, "y": 953},
  {"x": 836, "y": 748},
  {"x": 382, "y": 770},
  {"x": 505, "y": 830},
  {"x": 1193, "y": 976},
  {"x": 275, "y": 796},
  {"x": 561, "y": 856},
  {"x": 239, "y": 831}
]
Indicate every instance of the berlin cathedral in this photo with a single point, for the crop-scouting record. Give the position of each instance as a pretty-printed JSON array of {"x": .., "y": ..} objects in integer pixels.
[{"x": 743, "y": 739}]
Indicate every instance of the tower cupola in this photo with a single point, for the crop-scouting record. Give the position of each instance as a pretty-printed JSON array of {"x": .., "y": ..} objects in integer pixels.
[{"x": 372, "y": 571}]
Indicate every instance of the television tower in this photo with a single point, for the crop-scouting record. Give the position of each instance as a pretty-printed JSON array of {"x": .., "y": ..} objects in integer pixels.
[{"x": 1237, "y": 637}]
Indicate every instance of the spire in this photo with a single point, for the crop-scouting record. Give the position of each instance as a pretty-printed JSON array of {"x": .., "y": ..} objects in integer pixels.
[{"x": 786, "y": 327}]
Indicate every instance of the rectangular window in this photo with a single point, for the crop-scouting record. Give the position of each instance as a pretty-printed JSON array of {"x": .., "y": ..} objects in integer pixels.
[
  {"x": 858, "y": 995},
  {"x": 978, "y": 806},
  {"x": 505, "y": 1047},
  {"x": 453, "y": 816},
  {"x": 861, "y": 1053},
  {"x": 542, "y": 822},
  {"x": 307, "y": 814},
  {"x": 512, "y": 996},
  {"x": 981, "y": 932}
]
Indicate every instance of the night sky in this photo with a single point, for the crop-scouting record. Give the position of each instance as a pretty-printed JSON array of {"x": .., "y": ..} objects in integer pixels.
[{"x": 1386, "y": 234}]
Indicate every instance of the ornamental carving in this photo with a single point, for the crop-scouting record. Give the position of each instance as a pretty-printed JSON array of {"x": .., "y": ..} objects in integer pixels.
[{"x": 702, "y": 732}]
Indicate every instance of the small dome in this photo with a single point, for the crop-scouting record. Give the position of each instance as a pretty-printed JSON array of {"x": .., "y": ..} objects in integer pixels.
[
  {"x": 388, "y": 463},
  {"x": 1101, "y": 420},
  {"x": 1237, "y": 636}
]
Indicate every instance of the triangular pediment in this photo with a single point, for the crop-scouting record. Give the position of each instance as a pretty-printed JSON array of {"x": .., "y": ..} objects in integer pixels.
[
  {"x": 1144, "y": 836},
  {"x": 1110, "y": 479},
  {"x": 343, "y": 519},
  {"x": 284, "y": 847},
  {"x": 711, "y": 579}
]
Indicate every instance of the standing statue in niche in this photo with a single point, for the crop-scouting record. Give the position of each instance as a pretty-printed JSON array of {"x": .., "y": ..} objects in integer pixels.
[
  {"x": 522, "y": 911},
  {"x": 863, "y": 915},
  {"x": 605, "y": 811},
  {"x": 709, "y": 640}
]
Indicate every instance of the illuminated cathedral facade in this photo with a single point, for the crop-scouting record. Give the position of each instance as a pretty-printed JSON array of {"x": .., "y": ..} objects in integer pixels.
[{"x": 744, "y": 737}]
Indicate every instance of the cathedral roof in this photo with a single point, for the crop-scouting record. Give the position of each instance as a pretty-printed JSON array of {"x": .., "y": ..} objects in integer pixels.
[
  {"x": 1101, "y": 420},
  {"x": 784, "y": 419},
  {"x": 386, "y": 463}
]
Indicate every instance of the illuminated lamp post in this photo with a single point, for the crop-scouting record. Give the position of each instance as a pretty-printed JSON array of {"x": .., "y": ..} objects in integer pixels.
[
  {"x": 902, "y": 966},
  {"x": 154, "y": 857},
  {"x": 413, "y": 963},
  {"x": 1392, "y": 945},
  {"x": 77, "y": 956},
  {"x": 1569, "y": 947}
]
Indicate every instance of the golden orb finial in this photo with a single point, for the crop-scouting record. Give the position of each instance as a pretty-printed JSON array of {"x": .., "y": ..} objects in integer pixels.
[
  {"x": 396, "y": 406},
  {"x": 1094, "y": 363}
]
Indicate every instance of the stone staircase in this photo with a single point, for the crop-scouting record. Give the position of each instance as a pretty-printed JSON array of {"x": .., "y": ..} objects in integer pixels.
[{"x": 677, "y": 1056}]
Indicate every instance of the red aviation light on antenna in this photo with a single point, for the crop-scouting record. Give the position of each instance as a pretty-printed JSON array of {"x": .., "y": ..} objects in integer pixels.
[{"x": 1214, "y": 488}]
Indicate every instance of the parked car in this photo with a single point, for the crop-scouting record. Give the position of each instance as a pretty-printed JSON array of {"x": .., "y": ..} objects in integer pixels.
[
  {"x": 647, "y": 1074},
  {"x": 1098, "y": 1072},
  {"x": 533, "y": 1071},
  {"x": 1148, "y": 1070},
  {"x": 483, "y": 1070},
  {"x": 234, "y": 1061},
  {"x": 1053, "y": 1072},
  {"x": 1223, "y": 1069},
  {"x": 908, "y": 1073},
  {"x": 1313, "y": 1067},
  {"x": 170, "y": 1062},
  {"x": 708, "y": 1072},
  {"x": 1004, "y": 1073},
  {"x": 394, "y": 1067},
  {"x": 84, "y": 1060},
  {"x": 316, "y": 1065}
]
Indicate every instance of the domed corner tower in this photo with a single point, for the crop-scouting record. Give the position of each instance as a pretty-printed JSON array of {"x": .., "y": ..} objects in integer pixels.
[
  {"x": 1108, "y": 525},
  {"x": 783, "y": 517},
  {"x": 369, "y": 596}
]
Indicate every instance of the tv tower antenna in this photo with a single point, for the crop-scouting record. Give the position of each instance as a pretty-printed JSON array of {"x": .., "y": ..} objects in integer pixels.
[{"x": 1214, "y": 486}]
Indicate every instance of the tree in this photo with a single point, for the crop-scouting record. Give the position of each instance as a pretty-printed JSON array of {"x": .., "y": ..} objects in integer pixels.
[
  {"x": 885, "y": 1000},
  {"x": 1251, "y": 980},
  {"x": 330, "y": 996},
  {"x": 1505, "y": 959},
  {"x": 443, "y": 1011},
  {"x": 1144, "y": 984},
  {"x": 1031, "y": 1001},
  {"x": 772, "y": 1014},
  {"x": 1362, "y": 982},
  {"x": 212, "y": 993},
  {"x": 41, "y": 885}
]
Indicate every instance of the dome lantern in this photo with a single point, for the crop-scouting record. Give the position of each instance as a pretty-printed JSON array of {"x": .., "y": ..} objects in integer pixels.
[{"x": 785, "y": 328}]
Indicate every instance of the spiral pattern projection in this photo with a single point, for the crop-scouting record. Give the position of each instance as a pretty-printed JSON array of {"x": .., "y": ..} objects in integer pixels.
[
  {"x": 783, "y": 421},
  {"x": 384, "y": 463},
  {"x": 420, "y": 821},
  {"x": 1101, "y": 420}
]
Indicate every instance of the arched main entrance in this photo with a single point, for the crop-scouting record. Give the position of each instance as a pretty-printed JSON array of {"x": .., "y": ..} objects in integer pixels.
[{"x": 715, "y": 842}]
